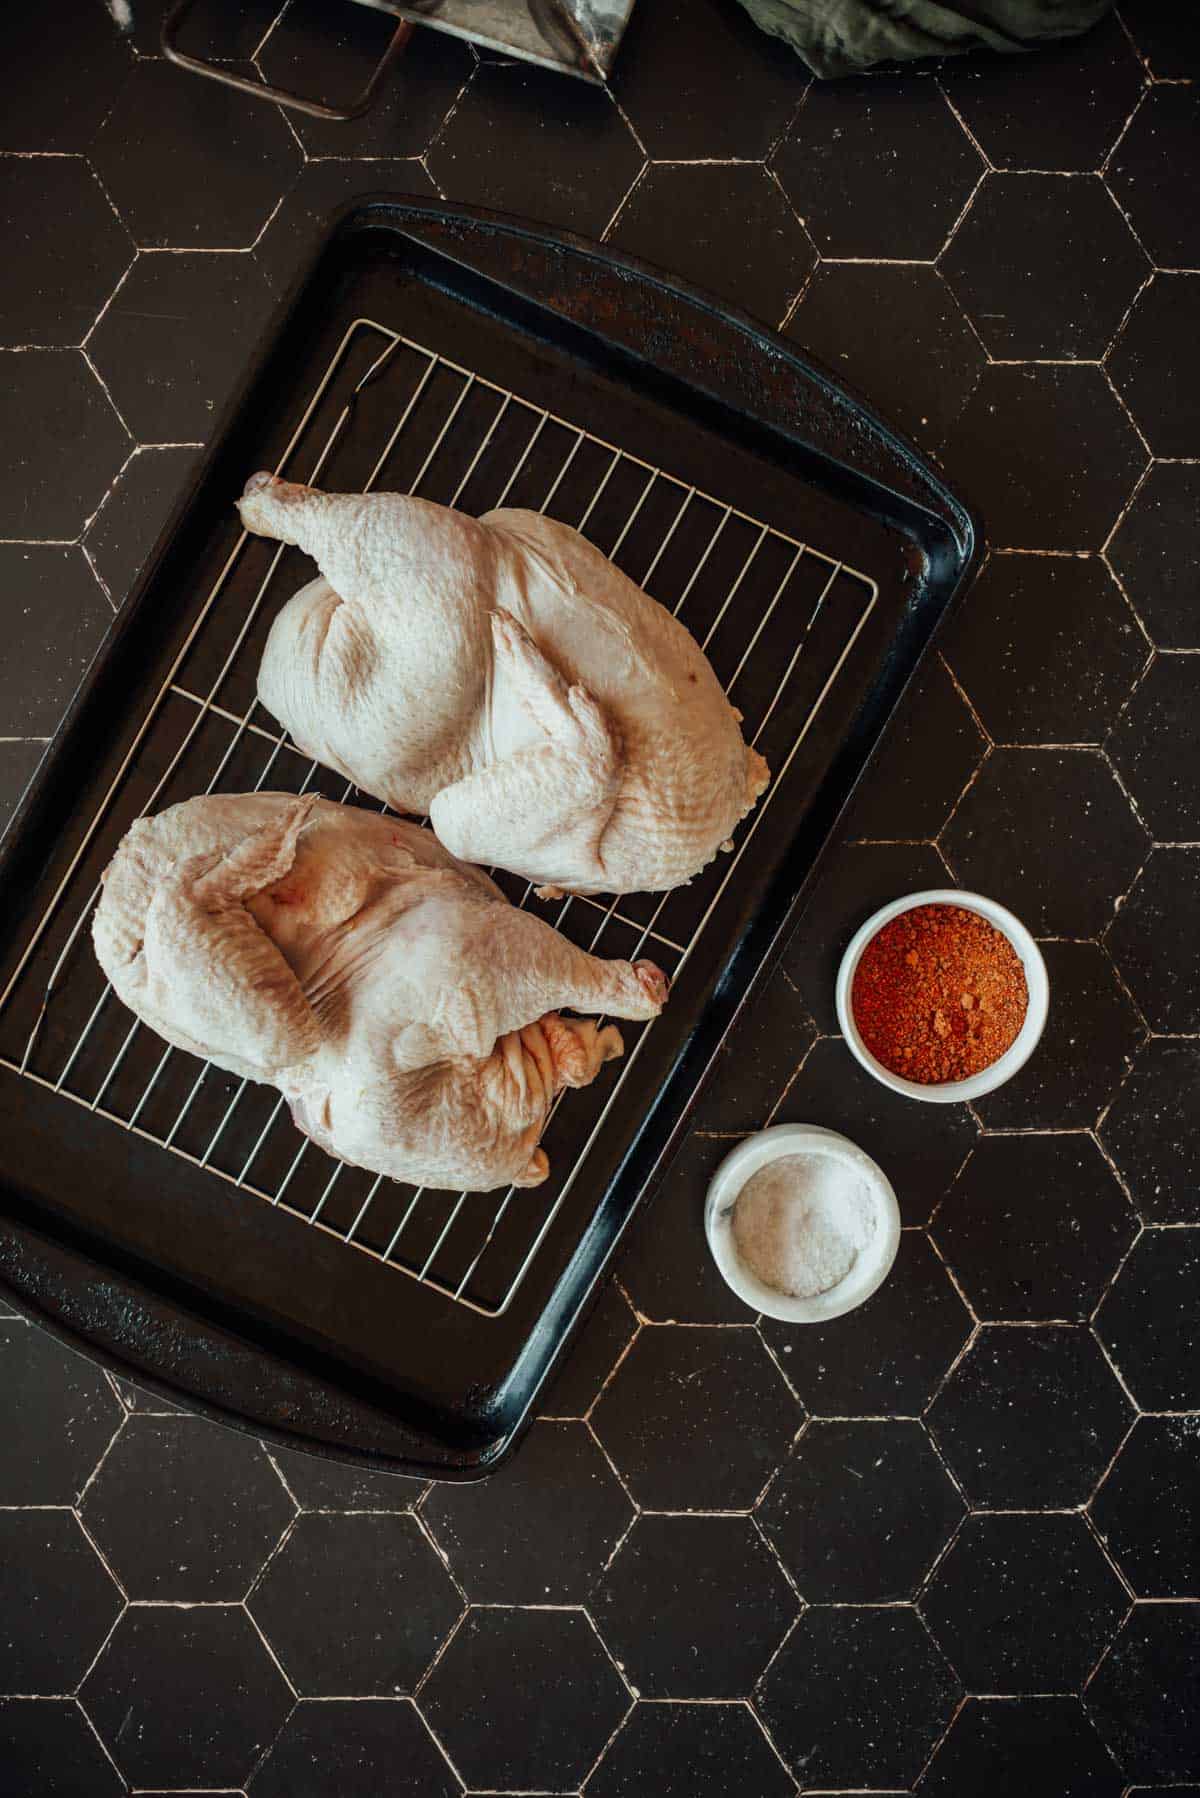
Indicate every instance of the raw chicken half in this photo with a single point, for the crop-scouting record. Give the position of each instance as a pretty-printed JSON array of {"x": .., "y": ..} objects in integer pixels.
[
  {"x": 503, "y": 676},
  {"x": 407, "y": 1012}
]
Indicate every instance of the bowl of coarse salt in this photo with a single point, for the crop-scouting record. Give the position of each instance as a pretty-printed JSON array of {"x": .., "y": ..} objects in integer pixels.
[{"x": 802, "y": 1224}]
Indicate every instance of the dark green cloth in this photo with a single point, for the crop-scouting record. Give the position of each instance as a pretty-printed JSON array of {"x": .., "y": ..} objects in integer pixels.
[{"x": 840, "y": 37}]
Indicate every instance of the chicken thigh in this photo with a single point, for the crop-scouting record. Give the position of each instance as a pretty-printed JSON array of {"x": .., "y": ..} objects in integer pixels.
[
  {"x": 502, "y": 675},
  {"x": 407, "y": 1012}
]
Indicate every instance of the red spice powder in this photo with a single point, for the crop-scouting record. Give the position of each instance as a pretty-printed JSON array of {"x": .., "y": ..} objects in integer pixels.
[{"x": 939, "y": 994}]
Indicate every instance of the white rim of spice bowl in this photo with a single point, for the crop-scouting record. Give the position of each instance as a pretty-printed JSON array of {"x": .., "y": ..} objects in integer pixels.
[
  {"x": 872, "y": 1265},
  {"x": 950, "y": 1092}
]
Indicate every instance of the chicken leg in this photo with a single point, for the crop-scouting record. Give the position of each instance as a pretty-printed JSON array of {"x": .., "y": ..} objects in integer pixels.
[{"x": 548, "y": 804}]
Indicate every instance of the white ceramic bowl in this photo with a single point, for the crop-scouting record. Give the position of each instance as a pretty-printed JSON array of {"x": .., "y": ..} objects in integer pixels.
[
  {"x": 950, "y": 1092},
  {"x": 872, "y": 1264}
]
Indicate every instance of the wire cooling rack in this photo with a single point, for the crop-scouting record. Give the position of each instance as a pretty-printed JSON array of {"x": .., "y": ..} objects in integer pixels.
[{"x": 776, "y": 616}]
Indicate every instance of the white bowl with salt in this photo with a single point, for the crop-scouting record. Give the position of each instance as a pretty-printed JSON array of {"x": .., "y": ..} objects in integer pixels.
[{"x": 802, "y": 1224}]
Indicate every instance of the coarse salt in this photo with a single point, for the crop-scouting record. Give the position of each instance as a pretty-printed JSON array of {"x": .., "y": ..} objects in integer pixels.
[{"x": 801, "y": 1222}]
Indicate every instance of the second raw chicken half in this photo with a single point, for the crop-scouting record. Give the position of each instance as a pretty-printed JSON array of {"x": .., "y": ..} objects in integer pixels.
[{"x": 407, "y": 1012}]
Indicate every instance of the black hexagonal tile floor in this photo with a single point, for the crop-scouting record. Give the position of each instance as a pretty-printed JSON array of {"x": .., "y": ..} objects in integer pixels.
[
  {"x": 332, "y": 54},
  {"x": 1155, "y": 365},
  {"x": 1073, "y": 695},
  {"x": 292, "y": 238},
  {"x": 858, "y": 1696},
  {"x": 1064, "y": 109},
  {"x": 51, "y": 1574},
  {"x": 1154, "y": 172},
  {"x": 858, "y": 155},
  {"x": 888, "y": 1357},
  {"x": 184, "y": 1509},
  {"x": 140, "y": 1398},
  {"x": 1030, "y": 1418},
  {"x": 1035, "y": 1227},
  {"x": 127, "y": 525},
  {"x": 186, "y": 1697},
  {"x": 716, "y": 1397},
  {"x": 762, "y": 1053},
  {"x": 921, "y": 1148},
  {"x": 1156, "y": 748},
  {"x": 853, "y": 881},
  {"x": 347, "y": 1746},
  {"x": 18, "y": 763},
  {"x": 229, "y": 160},
  {"x": 65, "y": 444},
  {"x": 1148, "y": 1131},
  {"x": 1143, "y": 1695},
  {"x": 175, "y": 339},
  {"x": 209, "y": 29},
  {"x": 1088, "y": 1045},
  {"x": 1050, "y": 834},
  {"x": 1167, "y": 35},
  {"x": 57, "y": 1416},
  {"x": 681, "y": 218},
  {"x": 924, "y": 389},
  {"x": 1045, "y": 266},
  {"x": 61, "y": 81},
  {"x": 1024, "y": 1604},
  {"x": 1089, "y": 648},
  {"x": 543, "y": 1527},
  {"x": 355, "y": 1605},
  {"x": 320, "y": 1485},
  {"x": 682, "y": 1750},
  {"x": 931, "y": 749},
  {"x": 1154, "y": 945},
  {"x": 1050, "y": 452},
  {"x": 1153, "y": 551},
  {"x": 524, "y": 1699},
  {"x": 58, "y": 278},
  {"x": 665, "y": 1604},
  {"x": 666, "y": 1263},
  {"x": 55, "y": 620},
  {"x": 47, "y": 1746},
  {"x": 522, "y": 140},
  {"x": 599, "y": 1345},
  {"x": 860, "y": 1511},
  {"x": 731, "y": 92},
  {"x": 1150, "y": 1320},
  {"x": 1043, "y": 1747},
  {"x": 1148, "y": 1507}
]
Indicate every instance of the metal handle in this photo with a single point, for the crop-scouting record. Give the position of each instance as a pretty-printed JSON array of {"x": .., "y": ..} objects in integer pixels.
[{"x": 264, "y": 90}]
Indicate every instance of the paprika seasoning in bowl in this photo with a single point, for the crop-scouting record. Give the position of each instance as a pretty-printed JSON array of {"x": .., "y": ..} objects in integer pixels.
[{"x": 942, "y": 995}]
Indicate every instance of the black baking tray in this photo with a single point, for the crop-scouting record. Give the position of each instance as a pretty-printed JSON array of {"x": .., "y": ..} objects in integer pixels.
[{"x": 240, "y": 1310}]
